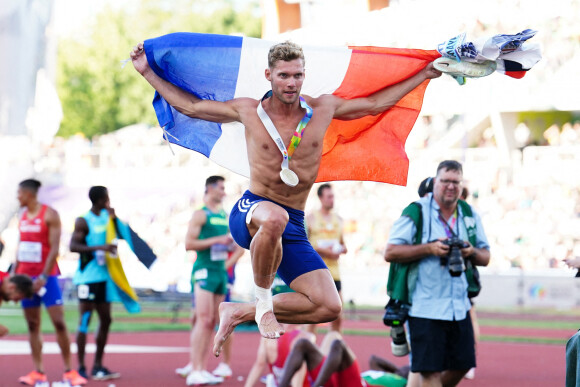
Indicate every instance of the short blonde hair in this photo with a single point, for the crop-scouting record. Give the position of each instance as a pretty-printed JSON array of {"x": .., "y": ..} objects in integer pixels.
[{"x": 286, "y": 51}]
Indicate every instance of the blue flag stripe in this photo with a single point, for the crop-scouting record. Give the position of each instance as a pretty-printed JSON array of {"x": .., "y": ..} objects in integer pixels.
[{"x": 206, "y": 65}]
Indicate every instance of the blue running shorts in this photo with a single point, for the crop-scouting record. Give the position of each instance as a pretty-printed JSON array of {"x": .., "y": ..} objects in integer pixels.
[
  {"x": 53, "y": 295},
  {"x": 298, "y": 255}
]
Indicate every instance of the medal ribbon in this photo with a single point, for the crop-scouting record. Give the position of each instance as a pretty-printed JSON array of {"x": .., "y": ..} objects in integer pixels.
[
  {"x": 297, "y": 137},
  {"x": 298, "y": 133}
]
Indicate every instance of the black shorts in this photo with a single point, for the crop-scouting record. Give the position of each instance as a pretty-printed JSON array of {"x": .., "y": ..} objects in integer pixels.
[
  {"x": 94, "y": 292},
  {"x": 438, "y": 345},
  {"x": 338, "y": 285}
]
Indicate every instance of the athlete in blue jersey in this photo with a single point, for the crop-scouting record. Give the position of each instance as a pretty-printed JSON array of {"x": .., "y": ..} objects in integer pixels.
[{"x": 89, "y": 240}]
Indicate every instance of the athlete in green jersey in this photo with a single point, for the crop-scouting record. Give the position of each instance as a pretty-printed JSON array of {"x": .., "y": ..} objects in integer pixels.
[
  {"x": 209, "y": 269},
  {"x": 208, "y": 235}
]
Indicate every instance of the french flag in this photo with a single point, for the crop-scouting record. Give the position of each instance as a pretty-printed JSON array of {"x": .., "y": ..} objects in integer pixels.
[{"x": 220, "y": 68}]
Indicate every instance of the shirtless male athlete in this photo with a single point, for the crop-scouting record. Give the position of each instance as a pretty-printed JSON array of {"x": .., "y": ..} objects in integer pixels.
[{"x": 269, "y": 218}]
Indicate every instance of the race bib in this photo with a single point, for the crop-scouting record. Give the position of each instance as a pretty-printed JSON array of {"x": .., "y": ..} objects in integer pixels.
[
  {"x": 219, "y": 252},
  {"x": 83, "y": 292},
  {"x": 324, "y": 243},
  {"x": 334, "y": 244},
  {"x": 30, "y": 252},
  {"x": 200, "y": 274}
]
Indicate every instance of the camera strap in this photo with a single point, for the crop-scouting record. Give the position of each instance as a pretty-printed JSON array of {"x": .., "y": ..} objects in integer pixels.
[{"x": 449, "y": 228}]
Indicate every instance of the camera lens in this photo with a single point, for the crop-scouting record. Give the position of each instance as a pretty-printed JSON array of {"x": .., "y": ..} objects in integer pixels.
[{"x": 399, "y": 344}]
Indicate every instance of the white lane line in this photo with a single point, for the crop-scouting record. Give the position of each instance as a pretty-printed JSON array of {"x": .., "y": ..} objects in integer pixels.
[{"x": 21, "y": 347}]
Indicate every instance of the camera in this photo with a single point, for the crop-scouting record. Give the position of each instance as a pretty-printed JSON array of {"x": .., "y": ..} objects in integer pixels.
[
  {"x": 453, "y": 260},
  {"x": 396, "y": 313}
]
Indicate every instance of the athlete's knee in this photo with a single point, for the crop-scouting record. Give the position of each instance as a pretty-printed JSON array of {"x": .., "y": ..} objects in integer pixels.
[
  {"x": 329, "y": 310},
  {"x": 275, "y": 223},
  {"x": 207, "y": 322},
  {"x": 105, "y": 320},
  {"x": 337, "y": 345},
  {"x": 59, "y": 326},
  {"x": 303, "y": 345},
  {"x": 33, "y": 325}
]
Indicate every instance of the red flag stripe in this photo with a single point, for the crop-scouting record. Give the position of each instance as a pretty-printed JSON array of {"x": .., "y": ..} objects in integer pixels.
[{"x": 373, "y": 148}]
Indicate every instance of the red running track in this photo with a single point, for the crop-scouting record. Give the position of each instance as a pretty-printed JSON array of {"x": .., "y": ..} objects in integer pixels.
[{"x": 500, "y": 364}]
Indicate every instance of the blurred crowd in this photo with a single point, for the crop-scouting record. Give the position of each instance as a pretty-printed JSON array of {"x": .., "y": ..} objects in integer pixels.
[
  {"x": 530, "y": 205},
  {"x": 531, "y": 211}
]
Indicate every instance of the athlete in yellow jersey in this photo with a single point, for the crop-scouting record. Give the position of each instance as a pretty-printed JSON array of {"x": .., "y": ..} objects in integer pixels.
[{"x": 325, "y": 234}]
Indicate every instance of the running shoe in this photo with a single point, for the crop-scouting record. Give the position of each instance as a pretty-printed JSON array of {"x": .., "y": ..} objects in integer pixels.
[
  {"x": 102, "y": 373},
  {"x": 199, "y": 378},
  {"x": 463, "y": 68},
  {"x": 74, "y": 378},
  {"x": 32, "y": 378},
  {"x": 223, "y": 370},
  {"x": 212, "y": 379},
  {"x": 83, "y": 372},
  {"x": 184, "y": 371}
]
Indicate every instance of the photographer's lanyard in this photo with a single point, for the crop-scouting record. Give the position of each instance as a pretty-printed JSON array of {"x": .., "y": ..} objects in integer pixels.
[{"x": 449, "y": 228}]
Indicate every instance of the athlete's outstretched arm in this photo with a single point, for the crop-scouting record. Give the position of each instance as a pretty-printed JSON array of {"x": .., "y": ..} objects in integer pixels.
[
  {"x": 383, "y": 99},
  {"x": 184, "y": 102}
]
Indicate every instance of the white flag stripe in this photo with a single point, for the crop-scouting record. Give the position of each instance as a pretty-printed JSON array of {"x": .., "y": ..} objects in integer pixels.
[{"x": 325, "y": 71}]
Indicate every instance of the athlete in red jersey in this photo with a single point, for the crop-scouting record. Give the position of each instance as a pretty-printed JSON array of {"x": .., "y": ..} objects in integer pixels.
[
  {"x": 331, "y": 365},
  {"x": 273, "y": 353},
  {"x": 37, "y": 252},
  {"x": 13, "y": 288}
]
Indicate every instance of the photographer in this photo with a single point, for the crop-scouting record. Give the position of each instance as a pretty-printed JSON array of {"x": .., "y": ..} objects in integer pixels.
[{"x": 432, "y": 264}]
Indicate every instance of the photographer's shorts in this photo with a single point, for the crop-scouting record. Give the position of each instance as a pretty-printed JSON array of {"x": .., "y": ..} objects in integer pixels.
[{"x": 438, "y": 345}]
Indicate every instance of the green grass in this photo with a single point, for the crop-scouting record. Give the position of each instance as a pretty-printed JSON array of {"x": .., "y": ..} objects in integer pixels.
[
  {"x": 511, "y": 318},
  {"x": 156, "y": 317},
  {"x": 552, "y": 312},
  {"x": 536, "y": 324},
  {"x": 493, "y": 338},
  {"x": 152, "y": 318},
  {"x": 524, "y": 340}
]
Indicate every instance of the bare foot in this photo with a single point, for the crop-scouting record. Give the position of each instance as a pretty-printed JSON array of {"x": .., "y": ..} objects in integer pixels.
[
  {"x": 269, "y": 326},
  {"x": 231, "y": 315}
]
